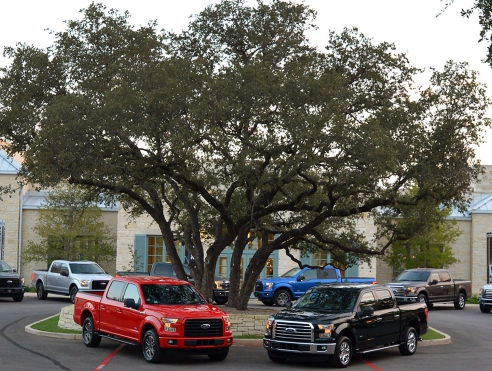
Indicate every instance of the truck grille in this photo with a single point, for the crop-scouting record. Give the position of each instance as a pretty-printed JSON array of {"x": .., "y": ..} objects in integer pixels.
[
  {"x": 487, "y": 294},
  {"x": 203, "y": 327},
  {"x": 398, "y": 290},
  {"x": 99, "y": 285},
  {"x": 293, "y": 331},
  {"x": 9, "y": 282}
]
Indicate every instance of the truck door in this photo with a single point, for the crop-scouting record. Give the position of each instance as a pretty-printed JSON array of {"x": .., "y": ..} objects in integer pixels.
[
  {"x": 53, "y": 276},
  {"x": 387, "y": 318},
  {"x": 447, "y": 285},
  {"x": 63, "y": 279},
  {"x": 304, "y": 281},
  {"x": 365, "y": 326},
  {"x": 435, "y": 287},
  {"x": 110, "y": 307},
  {"x": 129, "y": 318}
]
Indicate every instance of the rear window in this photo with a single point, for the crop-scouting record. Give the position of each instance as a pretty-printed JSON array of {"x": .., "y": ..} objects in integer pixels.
[{"x": 116, "y": 290}]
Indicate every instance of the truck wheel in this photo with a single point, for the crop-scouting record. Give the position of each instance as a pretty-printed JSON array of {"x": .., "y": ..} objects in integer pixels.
[
  {"x": 40, "y": 291},
  {"x": 219, "y": 356},
  {"x": 274, "y": 357},
  {"x": 73, "y": 293},
  {"x": 409, "y": 346},
  {"x": 268, "y": 303},
  {"x": 422, "y": 298},
  {"x": 484, "y": 309},
  {"x": 89, "y": 336},
  {"x": 282, "y": 297},
  {"x": 460, "y": 301},
  {"x": 343, "y": 352},
  {"x": 152, "y": 351},
  {"x": 18, "y": 298}
]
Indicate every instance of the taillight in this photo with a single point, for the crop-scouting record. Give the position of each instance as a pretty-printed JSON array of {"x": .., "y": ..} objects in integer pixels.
[{"x": 426, "y": 312}]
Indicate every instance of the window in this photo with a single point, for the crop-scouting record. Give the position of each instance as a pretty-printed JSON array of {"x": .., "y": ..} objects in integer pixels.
[
  {"x": 55, "y": 268},
  {"x": 321, "y": 258},
  {"x": 64, "y": 268},
  {"x": 223, "y": 267},
  {"x": 310, "y": 274},
  {"x": 327, "y": 273},
  {"x": 435, "y": 276},
  {"x": 445, "y": 276},
  {"x": 385, "y": 299},
  {"x": 367, "y": 300},
  {"x": 155, "y": 250},
  {"x": 115, "y": 290},
  {"x": 131, "y": 292}
]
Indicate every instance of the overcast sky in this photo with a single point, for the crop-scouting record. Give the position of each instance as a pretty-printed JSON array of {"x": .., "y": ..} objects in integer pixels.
[{"x": 412, "y": 25}]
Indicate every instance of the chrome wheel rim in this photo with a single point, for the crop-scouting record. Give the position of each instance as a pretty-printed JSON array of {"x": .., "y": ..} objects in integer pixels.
[
  {"x": 344, "y": 353},
  {"x": 411, "y": 341},
  {"x": 149, "y": 347},
  {"x": 87, "y": 332}
]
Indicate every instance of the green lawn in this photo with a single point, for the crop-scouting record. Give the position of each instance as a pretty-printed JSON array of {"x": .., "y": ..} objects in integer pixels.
[{"x": 51, "y": 325}]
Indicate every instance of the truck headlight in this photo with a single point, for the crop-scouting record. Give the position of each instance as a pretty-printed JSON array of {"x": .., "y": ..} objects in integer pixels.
[
  {"x": 84, "y": 283},
  {"x": 23, "y": 282},
  {"x": 169, "y": 324},
  {"x": 268, "y": 285},
  {"x": 227, "y": 320},
  {"x": 411, "y": 289},
  {"x": 218, "y": 284},
  {"x": 324, "y": 331},
  {"x": 480, "y": 290},
  {"x": 269, "y": 326}
]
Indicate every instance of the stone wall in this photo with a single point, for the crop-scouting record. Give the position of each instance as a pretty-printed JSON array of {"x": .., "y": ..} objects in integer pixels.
[{"x": 241, "y": 324}]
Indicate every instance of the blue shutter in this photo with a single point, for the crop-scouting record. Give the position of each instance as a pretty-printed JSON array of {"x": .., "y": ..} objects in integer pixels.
[{"x": 140, "y": 252}]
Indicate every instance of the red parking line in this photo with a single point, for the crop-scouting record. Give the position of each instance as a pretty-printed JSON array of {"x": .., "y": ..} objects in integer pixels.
[
  {"x": 369, "y": 364},
  {"x": 108, "y": 358}
]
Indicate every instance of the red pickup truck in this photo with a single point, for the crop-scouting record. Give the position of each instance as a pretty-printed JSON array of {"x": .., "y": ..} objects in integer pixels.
[{"x": 160, "y": 314}]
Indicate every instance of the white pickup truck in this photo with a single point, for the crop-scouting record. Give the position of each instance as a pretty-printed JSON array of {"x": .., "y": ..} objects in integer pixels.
[{"x": 69, "y": 277}]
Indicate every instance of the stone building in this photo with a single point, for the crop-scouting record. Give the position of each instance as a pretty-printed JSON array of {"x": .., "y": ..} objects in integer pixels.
[{"x": 139, "y": 243}]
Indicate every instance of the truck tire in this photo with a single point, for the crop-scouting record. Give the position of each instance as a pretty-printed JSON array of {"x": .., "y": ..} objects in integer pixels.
[
  {"x": 218, "y": 357},
  {"x": 89, "y": 336},
  {"x": 409, "y": 346},
  {"x": 40, "y": 291},
  {"x": 282, "y": 297},
  {"x": 152, "y": 351},
  {"x": 460, "y": 301},
  {"x": 422, "y": 298},
  {"x": 268, "y": 303},
  {"x": 275, "y": 357},
  {"x": 73, "y": 292},
  {"x": 343, "y": 352},
  {"x": 484, "y": 309},
  {"x": 18, "y": 298}
]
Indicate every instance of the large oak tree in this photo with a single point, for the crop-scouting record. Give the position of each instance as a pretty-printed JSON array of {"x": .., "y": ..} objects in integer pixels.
[{"x": 238, "y": 127}]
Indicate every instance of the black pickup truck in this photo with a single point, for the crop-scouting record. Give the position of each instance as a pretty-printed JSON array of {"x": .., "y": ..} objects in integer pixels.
[
  {"x": 11, "y": 284},
  {"x": 333, "y": 322},
  {"x": 431, "y": 286}
]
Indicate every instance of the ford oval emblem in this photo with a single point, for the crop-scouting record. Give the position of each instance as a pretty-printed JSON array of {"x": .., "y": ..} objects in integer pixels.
[
  {"x": 290, "y": 330},
  {"x": 205, "y": 326}
]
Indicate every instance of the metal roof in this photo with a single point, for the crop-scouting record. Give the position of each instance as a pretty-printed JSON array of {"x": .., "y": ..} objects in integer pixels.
[
  {"x": 480, "y": 204},
  {"x": 33, "y": 200},
  {"x": 8, "y": 165}
]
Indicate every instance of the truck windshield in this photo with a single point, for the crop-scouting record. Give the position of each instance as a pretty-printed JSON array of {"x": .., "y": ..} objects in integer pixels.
[
  {"x": 417, "y": 276},
  {"x": 328, "y": 299},
  {"x": 291, "y": 273},
  {"x": 171, "y": 294},
  {"x": 86, "y": 268}
]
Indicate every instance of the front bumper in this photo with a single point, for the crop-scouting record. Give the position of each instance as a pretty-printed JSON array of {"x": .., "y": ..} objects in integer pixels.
[
  {"x": 263, "y": 295},
  {"x": 221, "y": 293},
  {"x": 11, "y": 291},
  {"x": 485, "y": 302},
  {"x": 406, "y": 299},
  {"x": 299, "y": 348},
  {"x": 196, "y": 345}
]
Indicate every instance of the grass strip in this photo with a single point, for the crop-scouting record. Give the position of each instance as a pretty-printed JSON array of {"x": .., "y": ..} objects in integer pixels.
[{"x": 51, "y": 325}]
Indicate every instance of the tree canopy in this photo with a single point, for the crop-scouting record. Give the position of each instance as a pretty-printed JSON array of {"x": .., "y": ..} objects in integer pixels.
[{"x": 238, "y": 127}]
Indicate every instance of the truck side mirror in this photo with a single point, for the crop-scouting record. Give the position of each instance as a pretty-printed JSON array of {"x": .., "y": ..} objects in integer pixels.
[
  {"x": 433, "y": 282},
  {"x": 64, "y": 273},
  {"x": 130, "y": 303},
  {"x": 301, "y": 278},
  {"x": 366, "y": 312}
]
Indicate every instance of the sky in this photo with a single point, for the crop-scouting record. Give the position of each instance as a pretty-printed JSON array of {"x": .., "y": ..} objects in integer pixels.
[{"x": 413, "y": 26}]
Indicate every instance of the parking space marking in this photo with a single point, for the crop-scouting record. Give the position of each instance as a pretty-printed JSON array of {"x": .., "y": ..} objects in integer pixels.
[{"x": 108, "y": 358}]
